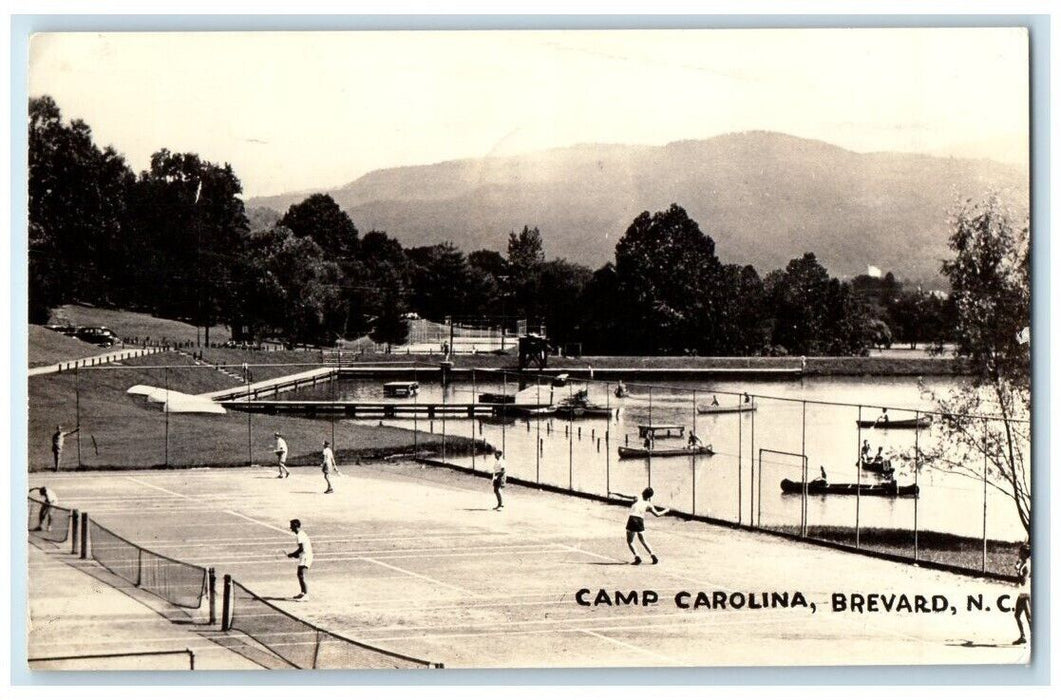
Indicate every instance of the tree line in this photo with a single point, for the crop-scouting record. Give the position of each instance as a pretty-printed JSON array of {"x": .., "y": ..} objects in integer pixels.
[{"x": 176, "y": 240}]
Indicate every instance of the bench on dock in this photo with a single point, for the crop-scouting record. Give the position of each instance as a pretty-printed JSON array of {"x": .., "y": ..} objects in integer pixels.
[{"x": 660, "y": 430}]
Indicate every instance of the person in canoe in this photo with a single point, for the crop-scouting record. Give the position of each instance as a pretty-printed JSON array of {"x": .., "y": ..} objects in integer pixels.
[
  {"x": 620, "y": 390},
  {"x": 866, "y": 449},
  {"x": 649, "y": 442},
  {"x": 635, "y": 521},
  {"x": 823, "y": 479},
  {"x": 878, "y": 459},
  {"x": 695, "y": 442},
  {"x": 714, "y": 399},
  {"x": 747, "y": 399},
  {"x": 882, "y": 418}
]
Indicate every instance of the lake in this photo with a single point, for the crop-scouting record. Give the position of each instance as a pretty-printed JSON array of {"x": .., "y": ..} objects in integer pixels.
[{"x": 754, "y": 451}]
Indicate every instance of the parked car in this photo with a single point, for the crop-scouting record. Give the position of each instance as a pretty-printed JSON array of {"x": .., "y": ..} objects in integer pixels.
[
  {"x": 97, "y": 335},
  {"x": 63, "y": 328}
]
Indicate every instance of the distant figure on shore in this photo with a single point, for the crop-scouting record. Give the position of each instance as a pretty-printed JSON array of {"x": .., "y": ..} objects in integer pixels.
[
  {"x": 1023, "y": 607},
  {"x": 498, "y": 479},
  {"x": 304, "y": 554},
  {"x": 281, "y": 456},
  {"x": 48, "y": 500},
  {"x": 803, "y": 364},
  {"x": 58, "y": 438},
  {"x": 635, "y": 521}
]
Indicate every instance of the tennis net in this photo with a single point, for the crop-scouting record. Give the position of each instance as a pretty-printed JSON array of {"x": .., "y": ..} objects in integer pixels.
[
  {"x": 49, "y": 522},
  {"x": 303, "y": 644},
  {"x": 177, "y": 582}
]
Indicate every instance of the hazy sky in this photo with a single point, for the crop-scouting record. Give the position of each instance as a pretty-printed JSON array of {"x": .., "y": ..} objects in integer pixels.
[{"x": 297, "y": 111}]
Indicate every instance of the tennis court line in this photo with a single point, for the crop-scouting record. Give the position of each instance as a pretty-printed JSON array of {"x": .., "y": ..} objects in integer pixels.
[
  {"x": 420, "y": 576},
  {"x": 257, "y": 522},
  {"x": 159, "y": 488}
]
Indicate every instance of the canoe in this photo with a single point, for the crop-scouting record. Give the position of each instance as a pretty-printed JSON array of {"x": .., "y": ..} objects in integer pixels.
[
  {"x": 642, "y": 453},
  {"x": 906, "y": 423},
  {"x": 740, "y": 408},
  {"x": 527, "y": 411},
  {"x": 888, "y": 489},
  {"x": 884, "y": 467},
  {"x": 588, "y": 411}
]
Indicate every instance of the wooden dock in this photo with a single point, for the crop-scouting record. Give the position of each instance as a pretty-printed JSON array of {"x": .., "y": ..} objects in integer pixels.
[{"x": 374, "y": 409}]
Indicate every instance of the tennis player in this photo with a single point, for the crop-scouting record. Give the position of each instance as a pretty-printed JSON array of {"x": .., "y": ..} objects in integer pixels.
[
  {"x": 635, "y": 522},
  {"x": 48, "y": 500},
  {"x": 328, "y": 465},
  {"x": 1024, "y": 599},
  {"x": 281, "y": 456},
  {"x": 498, "y": 479},
  {"x": 304, "y": 554}
]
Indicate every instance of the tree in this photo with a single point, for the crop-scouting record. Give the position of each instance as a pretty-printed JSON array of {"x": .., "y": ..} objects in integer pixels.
[
  {"x": 440, "y": 281},
  {"x": 667, "y": 277},
  {"x": 991, "y": 291},
  {"x": 77, "y": 213},
  {"x": 524, "y": 267},
  {"x": 320, "y": 218},
  {"x": 187, "y": 221},
  {"x": 798, "y": 302}
]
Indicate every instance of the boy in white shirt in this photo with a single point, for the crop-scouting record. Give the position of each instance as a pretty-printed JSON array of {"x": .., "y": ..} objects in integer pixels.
[
  {"x": 304, "y": 553},
  {"x": 281, "y": 455}
]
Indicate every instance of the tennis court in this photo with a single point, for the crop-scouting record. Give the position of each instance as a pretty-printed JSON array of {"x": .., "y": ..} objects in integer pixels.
[{"x": 415, "y": 560}]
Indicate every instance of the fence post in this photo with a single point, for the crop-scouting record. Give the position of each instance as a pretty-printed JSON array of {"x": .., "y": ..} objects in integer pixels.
[
  {"x": 803, "y": 452},
  {"x": 759, "y": 495},
  {"x": 247, "y": 384},
  {"x": 85, "y": 544},
  {"x": 75, "y": 521},
  {"x": 570, "y": 444},
  {"x": 165, "y": 411},
  {"x": 471, "y": 416},
  {"x": 607, "y": 444},
  {"x": 538, "y": 421},
  {"x": 983, "y": 559},
  {"x": 226, "y": 604},
  {"x": 858, "y": 481},
  {"x": 917, "y": 469},
  {"x": 77, "y": 413},
  {"x": 211, "y": 590}
]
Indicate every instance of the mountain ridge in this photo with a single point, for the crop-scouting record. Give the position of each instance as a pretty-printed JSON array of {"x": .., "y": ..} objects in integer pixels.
[{"x": 745, "y": 189}]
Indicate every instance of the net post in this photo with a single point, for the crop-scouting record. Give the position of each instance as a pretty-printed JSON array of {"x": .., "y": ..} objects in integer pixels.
[
  {"x": 211, "y": 590},
  {"x": 84, "y": 536},
  {"x": 75, "y": 521},
  {"x": 226, "y": 604}
]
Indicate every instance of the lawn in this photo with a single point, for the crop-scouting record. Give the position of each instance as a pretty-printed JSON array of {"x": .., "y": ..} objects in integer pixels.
[
  {"x": 120, "y": 430},
  {"x": 47, "y": 347},
  {"x": 131, "y": 324}
]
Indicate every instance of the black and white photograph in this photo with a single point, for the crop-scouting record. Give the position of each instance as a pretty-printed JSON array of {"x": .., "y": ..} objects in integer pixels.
[{"x": 528, "y": 349}]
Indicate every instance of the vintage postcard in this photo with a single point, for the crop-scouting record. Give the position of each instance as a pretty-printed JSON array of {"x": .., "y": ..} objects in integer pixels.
[{"x": 529, "y": 349}]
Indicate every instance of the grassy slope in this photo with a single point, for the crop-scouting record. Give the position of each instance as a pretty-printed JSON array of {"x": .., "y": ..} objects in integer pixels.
[
  {"x": 130, "y": 324},
  {"x": 48, "y": 347},
  {"x": 131, "y": 433}
]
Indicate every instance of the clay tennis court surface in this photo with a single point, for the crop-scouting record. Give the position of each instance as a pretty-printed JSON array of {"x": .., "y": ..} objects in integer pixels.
[{"x": 415, "y": 560}]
